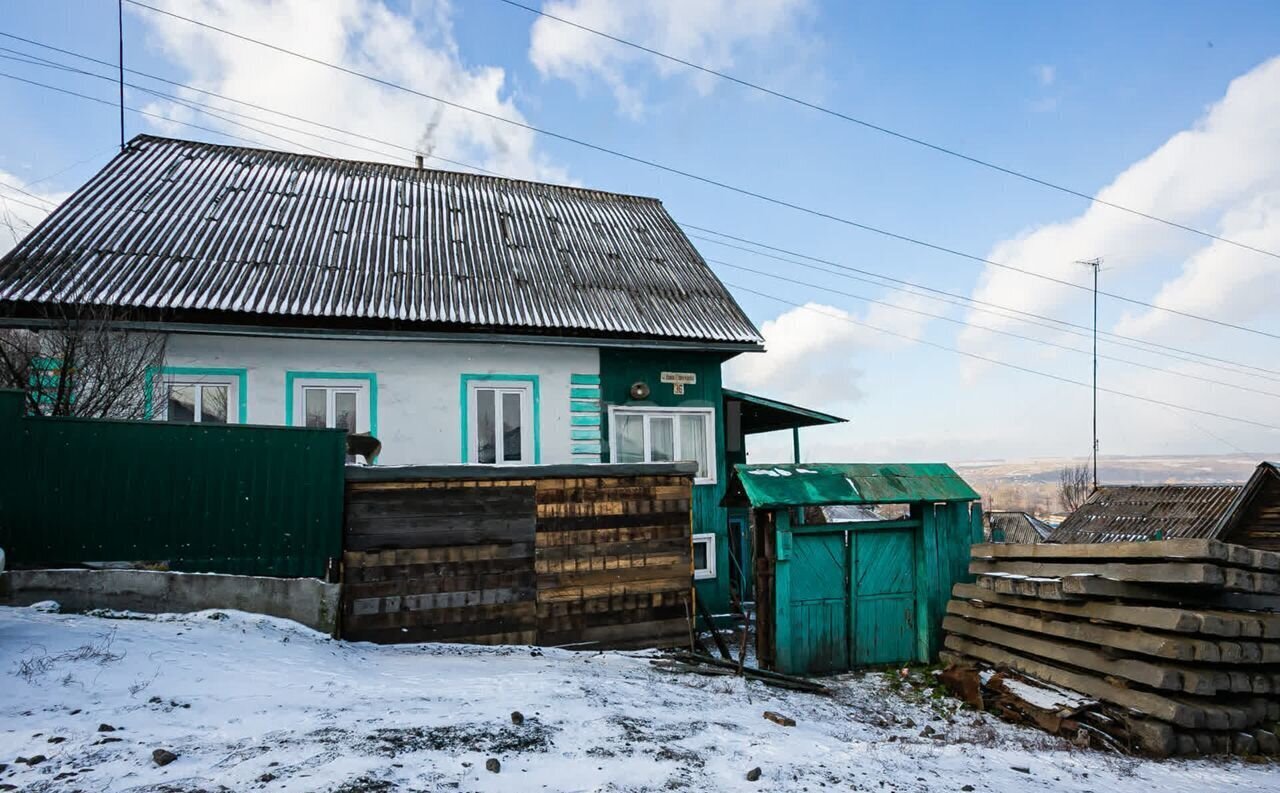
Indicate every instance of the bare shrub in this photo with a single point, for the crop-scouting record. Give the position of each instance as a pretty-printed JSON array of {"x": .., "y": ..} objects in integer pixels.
[{"x": 99, "y": 652}]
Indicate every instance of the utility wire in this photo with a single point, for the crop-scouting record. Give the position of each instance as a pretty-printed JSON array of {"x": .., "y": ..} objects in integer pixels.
[
  {"x": 810, "y": 308},
  {"x": 200, "y": 107},
  {"x": 887, "y": 131},
  {"x": 697, "y": 177},
  {"x": 998, "y": 331},
  {"x": 1006, "y": 364},
  {"x": 933, "y": 293},
  {"x": 29, "y": 194}
]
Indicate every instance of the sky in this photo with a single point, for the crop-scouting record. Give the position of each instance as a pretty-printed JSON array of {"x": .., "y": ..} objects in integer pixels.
[{"x": 1171, "y": 109}]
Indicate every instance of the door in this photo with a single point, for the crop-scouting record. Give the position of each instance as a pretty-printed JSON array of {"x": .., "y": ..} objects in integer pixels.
[
  {"x": 882, "y": 613},
  {"x": 819, "y": 602}
]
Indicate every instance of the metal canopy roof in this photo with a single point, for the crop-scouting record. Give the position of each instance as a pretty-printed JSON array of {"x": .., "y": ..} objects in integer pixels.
[
  {"x": 817, "y": 484},
  {"x": 196, "y": 232},
  {"x": 760, "y": 414}
]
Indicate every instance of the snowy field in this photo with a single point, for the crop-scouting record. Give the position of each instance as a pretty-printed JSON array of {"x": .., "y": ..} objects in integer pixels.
[{"x": 253, "y": 703}]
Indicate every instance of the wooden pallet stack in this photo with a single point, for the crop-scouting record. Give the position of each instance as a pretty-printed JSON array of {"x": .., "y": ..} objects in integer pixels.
[{"x": 1178, "y": 641}]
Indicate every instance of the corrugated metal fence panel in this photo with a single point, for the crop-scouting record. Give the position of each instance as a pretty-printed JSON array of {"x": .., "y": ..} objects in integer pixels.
[{"x": 226, "y": 499}]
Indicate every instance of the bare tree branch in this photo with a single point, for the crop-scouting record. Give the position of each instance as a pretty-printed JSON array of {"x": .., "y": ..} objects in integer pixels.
[
  {"x": 1075, "y": 485},
  {"x": 78, "y": 362}
]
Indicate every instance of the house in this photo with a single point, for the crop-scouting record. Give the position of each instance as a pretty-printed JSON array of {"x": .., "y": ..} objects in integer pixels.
[
  {"x": 457, "y": 318},
  {"x": 1015, "y": 527},
  {"x": 1247, "y": 514}
]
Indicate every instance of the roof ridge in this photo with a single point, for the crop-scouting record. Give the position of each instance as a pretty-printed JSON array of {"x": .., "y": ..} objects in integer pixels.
[{"x": 412, "y": 169}]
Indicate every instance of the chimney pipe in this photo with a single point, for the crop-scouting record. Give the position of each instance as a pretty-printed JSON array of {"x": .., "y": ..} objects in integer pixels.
[{"x": 418, "y": 159}]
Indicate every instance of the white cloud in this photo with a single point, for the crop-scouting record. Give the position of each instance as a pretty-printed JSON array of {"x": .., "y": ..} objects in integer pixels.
[
  {"x": 415, "y": 48},
  {"x": 1045, "y": 74},
  {"x": 1222, "y": 174},
  {"x": 20, "y": 212},
  {"x": 712, "y": 33},
  {"x": 812, "y": 352}
]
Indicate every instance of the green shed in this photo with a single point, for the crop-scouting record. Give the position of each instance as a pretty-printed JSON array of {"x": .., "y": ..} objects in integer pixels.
[{"x": 836, "y": 596}]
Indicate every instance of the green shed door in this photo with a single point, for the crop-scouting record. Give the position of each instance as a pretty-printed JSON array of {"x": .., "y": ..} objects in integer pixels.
[
  {"x": 819, "y": 603},
  {"x": 882, "y": 616}
]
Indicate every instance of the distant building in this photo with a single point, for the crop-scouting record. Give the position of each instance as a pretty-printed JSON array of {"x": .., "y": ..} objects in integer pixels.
[{"x": 1015, "y": 527}]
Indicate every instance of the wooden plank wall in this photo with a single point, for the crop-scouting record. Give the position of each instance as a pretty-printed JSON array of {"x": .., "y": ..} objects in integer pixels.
[
  {"x": 439, "y": 561},
  {"x": 1259, "y": 526},
  {"x": 588, "y": 562},
  {"x": 614, "y": 561}
]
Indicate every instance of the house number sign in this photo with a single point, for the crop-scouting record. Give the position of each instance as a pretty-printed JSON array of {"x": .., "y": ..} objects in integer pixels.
[{"x": 678, "y": 380}]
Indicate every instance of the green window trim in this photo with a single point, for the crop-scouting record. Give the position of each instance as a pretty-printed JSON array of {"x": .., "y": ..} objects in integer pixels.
[
  {"x": 584, "y": 379},
  {"x": 578, "y": 392},
  {"x": 585, "y": 434},
  {"x": 241, "y": 377},
  {"x": 464, "y": 387},
  {"x": 371, "y": 378}
]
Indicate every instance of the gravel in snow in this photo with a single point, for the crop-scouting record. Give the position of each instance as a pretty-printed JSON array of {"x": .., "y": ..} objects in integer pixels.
[{"x": 253, "y": 703}]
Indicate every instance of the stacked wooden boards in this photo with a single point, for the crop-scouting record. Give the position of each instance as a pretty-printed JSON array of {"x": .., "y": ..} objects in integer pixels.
[
  {"x": 1180, "y": 639},
  {"x": 586, "y": 561}
]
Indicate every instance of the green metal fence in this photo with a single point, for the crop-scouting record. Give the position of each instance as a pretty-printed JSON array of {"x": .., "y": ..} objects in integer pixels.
[{"x": 209, "y": 498}]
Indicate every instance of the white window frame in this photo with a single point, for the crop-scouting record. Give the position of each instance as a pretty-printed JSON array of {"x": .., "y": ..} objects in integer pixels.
[
  {"x": 648, "y": 413},
  {"x": 331, "y": 385},
  {"x": 528, "y": 447},
  {"x": 710, "y": 570},
  {"x": 232, "y": 384}
]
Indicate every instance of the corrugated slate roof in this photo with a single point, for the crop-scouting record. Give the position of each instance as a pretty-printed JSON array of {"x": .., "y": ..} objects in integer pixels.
[
  {"x": 816, "y": 484},
  {"x": 231, "y": 234},
  {"x": 1141, "y": 512}
]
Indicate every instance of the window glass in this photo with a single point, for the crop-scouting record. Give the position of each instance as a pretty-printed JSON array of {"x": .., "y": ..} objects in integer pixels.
[
  {"x": 700, "y": 555},
  {"x": 344, "y": 411},
  {"x": 486, "y": 426},
  {"x": 662, "y": 439},
  {"x": 693, "y": 441},
  {"x": 315, "y": 400},
  {"x": 511, "y": 438},
  {"x": 630, "y": 438},
  {"x": 182, "y": 403},
  {"x": 213, "y": 404}
]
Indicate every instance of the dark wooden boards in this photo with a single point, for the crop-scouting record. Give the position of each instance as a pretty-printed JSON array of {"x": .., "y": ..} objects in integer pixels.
[{"x": 583, "y": 562}]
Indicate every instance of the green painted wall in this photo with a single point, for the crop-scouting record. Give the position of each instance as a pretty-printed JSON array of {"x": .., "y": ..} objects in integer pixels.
[
  {"x": 619, "y": 369},
  {"x": 209, "y": 498}
]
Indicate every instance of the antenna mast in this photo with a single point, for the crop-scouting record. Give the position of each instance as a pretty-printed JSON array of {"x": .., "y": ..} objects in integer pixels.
[
  {"x": 1096, "y": 265},
  {"x": 120, "y": 36}
]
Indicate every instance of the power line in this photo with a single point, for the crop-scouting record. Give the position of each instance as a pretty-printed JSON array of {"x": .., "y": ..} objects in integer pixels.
[
  {"x": 1011, "y": 334},
  {"x": 29, "y": 194},
  {"x": 888, "y": 131},
  {"x": 693, "y": 176},
  {"x": 201, "y": 108},
  {"x": 208, "y": 109},
  {"x": 225, "y": 98},
  {"x": 982, "y": 306},
  {"x": 923, "y": 341},
  {"x": 265, "y": 109},
  {"x": 1006, "y": 364}
]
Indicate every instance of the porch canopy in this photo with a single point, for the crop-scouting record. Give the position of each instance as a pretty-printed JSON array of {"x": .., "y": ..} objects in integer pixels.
[
  {"x": 759, "y": 414},
  {"x": 819, "y": 484}
]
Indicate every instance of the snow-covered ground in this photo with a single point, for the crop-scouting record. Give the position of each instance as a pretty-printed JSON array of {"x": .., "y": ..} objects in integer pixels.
[{"x": 254, "y": 703}]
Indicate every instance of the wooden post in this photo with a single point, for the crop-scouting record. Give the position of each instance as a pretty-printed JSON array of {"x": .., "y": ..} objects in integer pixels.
[
  {"x": 795, "y": 445},
  {"x": 784, "y": 658}
]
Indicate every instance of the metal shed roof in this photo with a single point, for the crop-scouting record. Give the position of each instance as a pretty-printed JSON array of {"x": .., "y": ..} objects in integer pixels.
[
  {"x": 1017, "y": 527},
  {"x": 1141, "y": 512},
  {"x": 192, "y": 231},
  {"x": 761, "y": 414},
  {"x": 817, "y": 484}
]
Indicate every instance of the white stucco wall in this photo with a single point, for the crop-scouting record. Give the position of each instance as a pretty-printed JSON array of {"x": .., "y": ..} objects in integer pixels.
[{"x": 418, "y": 384}]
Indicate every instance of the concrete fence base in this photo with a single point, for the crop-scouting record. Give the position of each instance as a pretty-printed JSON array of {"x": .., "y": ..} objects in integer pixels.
[{"x": 309, "y": 601}]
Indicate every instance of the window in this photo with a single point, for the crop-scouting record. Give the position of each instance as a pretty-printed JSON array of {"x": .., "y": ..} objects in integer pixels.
[
  {"x": 204, "y": 403},
  {"x": 500, "y": 427},
  {"x": 332, "y": 401},
  {"x": 704, "y": 556},
  {"x": 660, "y": 435}
]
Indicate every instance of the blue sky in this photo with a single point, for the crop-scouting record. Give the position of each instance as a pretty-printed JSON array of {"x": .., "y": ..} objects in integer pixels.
[{"x": 1076, "y": 93}]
